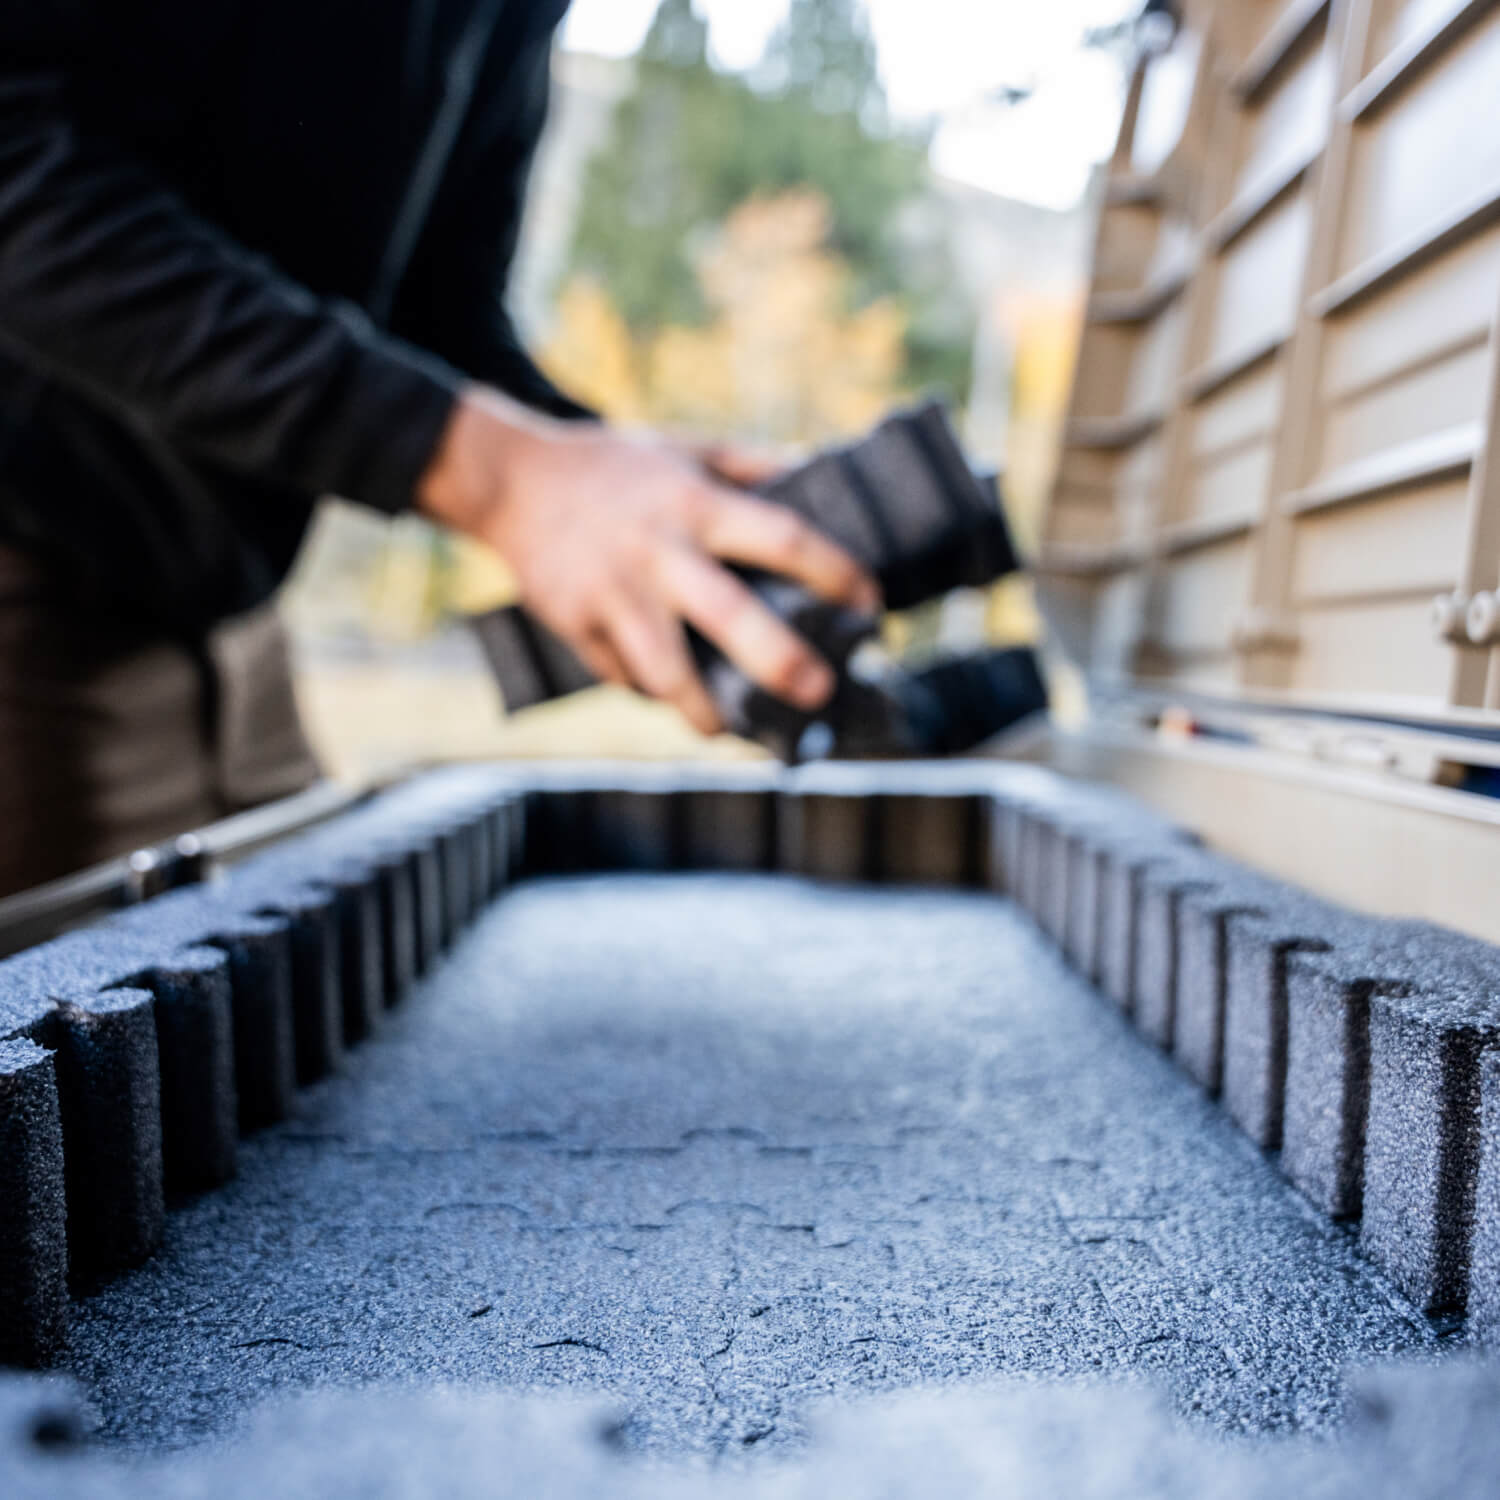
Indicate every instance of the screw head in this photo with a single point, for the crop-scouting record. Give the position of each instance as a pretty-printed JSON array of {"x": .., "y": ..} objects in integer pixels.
[
  {"x": 1482, "y": 619},
  {"x": 1449, "y": 617}
]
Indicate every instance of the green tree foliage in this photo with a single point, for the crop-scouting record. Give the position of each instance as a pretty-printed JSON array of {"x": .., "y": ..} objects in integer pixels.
[
  {"x": 690, "y": 143},
  {"x": 824, "y": 54}
]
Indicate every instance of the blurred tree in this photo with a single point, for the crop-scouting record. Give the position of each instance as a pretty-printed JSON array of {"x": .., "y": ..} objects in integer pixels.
[
  {"x": 783, "y": 353},
  {"x": 786, "y": 356},
  {"x": 691, "y": 143},
  {"x": 659, "y": 180},
  {"x": 823, "y": 52},
  {"x": 591, "y": 352}
]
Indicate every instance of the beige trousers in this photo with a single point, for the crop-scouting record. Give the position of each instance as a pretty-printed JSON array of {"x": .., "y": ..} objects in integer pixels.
[{"x": 112, "y": 738}]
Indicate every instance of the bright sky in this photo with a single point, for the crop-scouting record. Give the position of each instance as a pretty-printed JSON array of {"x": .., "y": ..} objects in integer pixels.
[{"x": 945, "y": 58}]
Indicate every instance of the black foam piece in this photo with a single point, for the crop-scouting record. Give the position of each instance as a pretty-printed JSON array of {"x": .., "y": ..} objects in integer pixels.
[
  {"x": 1082, "y": 920},
  {"x": 195, "y": 1038},
  {"x": 427, "y": 885},
  {"x": 481, "y": 866},
  {"x": 362, "y": 979},
  {"x": 398, "y": 926},
  {"x": 931, "y": 822},
  {"x": 1484, "y": 1259},
  {"x": 455, "y": 849},
  {"x": 109, "y": 1096},
  {"x": 1050, "y": 896},
  {"x": 1382, "y": 1100},
  {"x": 635, "y": 827},
  {"x": 826, "y": 825},
  {"x": 555, "y": 822},
  {"x": 534, "y": 666},
  {"x": 263, "y": 1009},
  {"x": 586, "y": 817},
  {"x": 1204, "y": 914},
  {"x": 1035, "y": 888},
  {"x": 930, "y": 838},
  {"x": 1327, "y": 1089},
  {"x": 1103, "y": 830},
  {"x": 960, "y": 702},
  {"x": 507, "y": 843},
  {"x": 33, "y": 1223},
  {"x": 1422, "y": 1142},
  {"x": 728, "y": 819},
  {"x": 1162, "y": 887},
  {"x": 904, "y": 503},
  {"x": 1258, "y": 948},
  {"x": 1011, "y": 795},
  {"x": 316, "y": 981},
  {"x": 1123, "y": 869},
  {"x": 265, "y": 1048}
]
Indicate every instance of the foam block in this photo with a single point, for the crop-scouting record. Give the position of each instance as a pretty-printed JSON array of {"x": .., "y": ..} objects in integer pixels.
[
  {"x": 398, "y": 927},
  {"x": 1083, "y": 936},
  {"x": 316, "y": 955},
  {"x": 195, "y": 1038},
  {"x": 431, "y": 918},
  {"x": 728, "y": 828},
  {"x": 1155, "y": 1008},
  {"x": 1484, "y": 1258},
  {"x": 455, "y": 862},
  {"x": 357, "y": 904},
  {"x": 109, "y": 1096},
  {"x": 1328, "y": 1054},
  {"x": 33, "y": 1225},
  {"x": 1030, "y": 877},
  {"x": 1123, "y": 868},
  {"x": 1054, "y": 869},
  {"x": 1205, "y": 914},
  {"x": 558, "y": 831},
  {"x": 1000, "y": 845},
  {"x": 518, "y": 811},
  {"x": 929, "y": 838},
  {"x": 265, "y": 1049},
  {"x": 906, "y": 504},
  {"x": 1422, "y": 1143},
  {"x": 1327, "y": 1084},
  {"x": 481, "y": 862},
  {"x": 634, "y": 828},
  {"x": 825, "y": 824},
  {"x": 497, "y": 841},
  {"x": 1257, "y": 952},
  {"x": 1017, "y": 791}
]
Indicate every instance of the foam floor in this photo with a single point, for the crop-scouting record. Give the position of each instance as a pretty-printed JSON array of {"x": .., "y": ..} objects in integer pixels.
[{"x": 721, "y": 1147}]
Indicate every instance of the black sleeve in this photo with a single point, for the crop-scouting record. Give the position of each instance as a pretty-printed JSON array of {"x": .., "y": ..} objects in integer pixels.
[
  {"x": 455, "y": 297},
  {"x": 109, "y": 284}
]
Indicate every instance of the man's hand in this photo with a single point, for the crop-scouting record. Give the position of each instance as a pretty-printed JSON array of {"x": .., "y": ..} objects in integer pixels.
[{"x": 616, "y": 541}]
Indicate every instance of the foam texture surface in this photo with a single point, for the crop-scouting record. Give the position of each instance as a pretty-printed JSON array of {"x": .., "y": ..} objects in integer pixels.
[{"x": 720, "y": 1147}]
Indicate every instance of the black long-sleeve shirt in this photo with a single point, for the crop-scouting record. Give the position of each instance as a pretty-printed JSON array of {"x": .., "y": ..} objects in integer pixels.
[{"x": 249, "y": 250}]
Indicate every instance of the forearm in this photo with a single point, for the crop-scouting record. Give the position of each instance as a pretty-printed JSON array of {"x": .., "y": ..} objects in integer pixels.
[{"x": 110, "y": 284}]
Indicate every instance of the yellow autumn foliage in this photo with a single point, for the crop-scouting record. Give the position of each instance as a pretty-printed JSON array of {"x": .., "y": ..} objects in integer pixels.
[
  {"x": 782, "y": 358},
  {"x": 591, "y": 354}
]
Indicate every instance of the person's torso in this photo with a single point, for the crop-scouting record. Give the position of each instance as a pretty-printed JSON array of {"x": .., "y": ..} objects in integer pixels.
[{"x": 295, "y": 125}]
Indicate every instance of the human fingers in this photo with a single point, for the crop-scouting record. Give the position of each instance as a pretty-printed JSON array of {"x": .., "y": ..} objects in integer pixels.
[
  {"x": 652, "y": 647},
  {"x": 740, "y": 465},
  {"x": 762, "y": 534},
  {"x": 597, "y": 652},
  {"x": 763, "y": 646}
]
